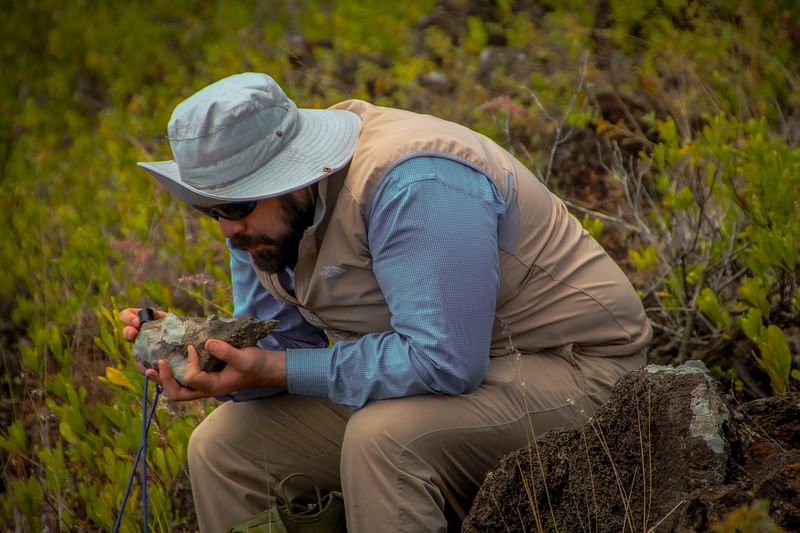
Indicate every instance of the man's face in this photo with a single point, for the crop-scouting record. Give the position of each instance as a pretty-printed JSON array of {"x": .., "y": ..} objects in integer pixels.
[{"x": 272, "y": 232}]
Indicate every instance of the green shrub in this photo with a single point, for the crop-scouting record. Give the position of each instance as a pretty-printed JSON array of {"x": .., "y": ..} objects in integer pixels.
[{"x": 722, "y": 237}]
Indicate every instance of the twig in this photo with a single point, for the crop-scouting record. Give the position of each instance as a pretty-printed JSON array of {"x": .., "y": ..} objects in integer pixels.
[
  {"x": 607, "y": 218},
  {"x": 559, "y": 124},
  {"x": 687, "y": 330}
]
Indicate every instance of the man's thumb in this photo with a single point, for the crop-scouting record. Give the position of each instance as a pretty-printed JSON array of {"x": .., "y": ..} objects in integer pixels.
[{"x": 219, "y": 349}]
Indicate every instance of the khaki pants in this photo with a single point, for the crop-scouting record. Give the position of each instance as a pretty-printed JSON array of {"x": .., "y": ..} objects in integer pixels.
[{"x": 403, "y": 464}]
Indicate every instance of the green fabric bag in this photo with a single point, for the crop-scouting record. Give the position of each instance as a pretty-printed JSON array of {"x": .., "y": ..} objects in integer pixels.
[
  {"x": 268, "y": 521},
  {"x": 324, "y": 516}
]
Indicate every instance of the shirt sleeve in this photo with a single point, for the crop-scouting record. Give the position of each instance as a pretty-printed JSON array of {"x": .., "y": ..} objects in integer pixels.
[{"x": 433, "y": 235}]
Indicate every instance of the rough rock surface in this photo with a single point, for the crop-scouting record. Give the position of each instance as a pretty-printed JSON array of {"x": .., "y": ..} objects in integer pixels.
[
  {"x": 168, "y": 338},
  {"x": 667, "y": 451}
]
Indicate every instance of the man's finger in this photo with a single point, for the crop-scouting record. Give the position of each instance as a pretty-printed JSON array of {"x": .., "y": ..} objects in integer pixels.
[
  {"x": 174, "y": 391},
  {"x": 192, "y": 362},
  {"x": 149, "y": 373},
  {"x": 127, "y": 316},
  {"x": 129, "y": 333},
  {"x": 196, "y": 376}
]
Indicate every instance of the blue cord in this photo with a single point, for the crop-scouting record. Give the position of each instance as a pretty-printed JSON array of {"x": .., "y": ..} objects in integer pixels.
[
  {"x": 144, "y": 454},
  {"x": 141, "y": 453}
]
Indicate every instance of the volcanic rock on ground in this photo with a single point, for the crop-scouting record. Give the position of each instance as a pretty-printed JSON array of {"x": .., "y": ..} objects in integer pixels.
[
  {"x": 168, "y": 338},
  {"x": 667, "y": 451}
]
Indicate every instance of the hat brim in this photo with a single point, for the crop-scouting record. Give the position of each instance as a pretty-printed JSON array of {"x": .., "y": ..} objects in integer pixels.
[{"x": 324, "y": 144}]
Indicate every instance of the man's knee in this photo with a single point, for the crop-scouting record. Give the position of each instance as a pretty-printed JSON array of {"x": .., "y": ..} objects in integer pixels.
[
  {"x": 366, "y": 432},
  {"x": 380, "y": 427},
  {"x": 203, "y": 444},
  {"x": 382, "y": 465},
  {"x": 222, "y": 434}
]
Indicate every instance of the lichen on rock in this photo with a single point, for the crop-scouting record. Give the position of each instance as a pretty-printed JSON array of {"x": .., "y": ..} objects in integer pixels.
[{"x": 169, "y": 337}]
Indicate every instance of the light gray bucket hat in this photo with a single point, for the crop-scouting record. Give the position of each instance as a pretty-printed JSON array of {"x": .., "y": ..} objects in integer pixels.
[{"x": 241, "y": 138}]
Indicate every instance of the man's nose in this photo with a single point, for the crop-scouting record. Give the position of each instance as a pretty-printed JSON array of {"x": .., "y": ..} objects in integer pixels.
[{"x": 230, "y": 228}]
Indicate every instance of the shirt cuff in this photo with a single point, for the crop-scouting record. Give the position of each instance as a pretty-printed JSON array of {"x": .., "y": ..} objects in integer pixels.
[{"x": 307, "y": 370}]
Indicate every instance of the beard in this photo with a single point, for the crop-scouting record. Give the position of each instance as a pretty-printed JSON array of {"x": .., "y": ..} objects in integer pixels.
[{"x": 282, "y": 250}]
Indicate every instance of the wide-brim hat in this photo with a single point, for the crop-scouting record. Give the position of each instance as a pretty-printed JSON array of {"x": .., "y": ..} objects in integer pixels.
[{"x": 241, "y": 138}]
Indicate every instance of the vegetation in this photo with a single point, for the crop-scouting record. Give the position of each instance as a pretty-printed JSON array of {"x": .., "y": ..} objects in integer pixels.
[{"x": 670, "y": 127}]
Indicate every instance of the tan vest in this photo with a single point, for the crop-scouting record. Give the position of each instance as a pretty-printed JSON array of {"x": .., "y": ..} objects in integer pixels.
[{"x": 557, "y": 285}]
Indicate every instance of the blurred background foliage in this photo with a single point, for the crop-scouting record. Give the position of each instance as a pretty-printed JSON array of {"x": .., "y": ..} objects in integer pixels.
[{"x": 669, "y": 127}]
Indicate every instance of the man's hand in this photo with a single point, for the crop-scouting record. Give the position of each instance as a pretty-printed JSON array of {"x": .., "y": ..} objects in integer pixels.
[
  {"x": 245, "y": 368},
  {"x": 130, "y": 317}
]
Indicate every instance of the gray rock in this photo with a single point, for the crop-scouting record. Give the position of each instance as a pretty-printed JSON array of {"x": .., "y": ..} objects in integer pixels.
[
  {"x": 667, "y": 451},
  {"x": 436, "y": 81},
  {"x": 169, "y": 337}
]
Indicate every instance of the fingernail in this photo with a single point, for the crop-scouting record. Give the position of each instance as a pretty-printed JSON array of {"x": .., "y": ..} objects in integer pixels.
[{"x": 212, "y": 346}]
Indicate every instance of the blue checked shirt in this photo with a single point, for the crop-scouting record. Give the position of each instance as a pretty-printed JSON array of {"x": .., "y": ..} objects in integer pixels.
[{"x": 433, "y": 235}]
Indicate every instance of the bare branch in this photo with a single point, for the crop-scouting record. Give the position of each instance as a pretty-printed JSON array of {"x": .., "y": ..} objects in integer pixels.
[
  {"x": 560, "y": 137},
  {"x": 606, "y": 218}
]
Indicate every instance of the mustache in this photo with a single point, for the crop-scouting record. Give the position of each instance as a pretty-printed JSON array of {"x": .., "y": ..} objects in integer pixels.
[{"x": 243, "y": 242}]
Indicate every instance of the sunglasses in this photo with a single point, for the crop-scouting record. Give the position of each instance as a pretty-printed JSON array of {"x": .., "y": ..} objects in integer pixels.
[{"x": 235, "y": 211}]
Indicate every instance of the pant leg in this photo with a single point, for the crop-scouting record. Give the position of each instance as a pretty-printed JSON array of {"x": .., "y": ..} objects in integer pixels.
[
  {"x": 241, "y": 449},
  {"x": 402, "y": 459}
]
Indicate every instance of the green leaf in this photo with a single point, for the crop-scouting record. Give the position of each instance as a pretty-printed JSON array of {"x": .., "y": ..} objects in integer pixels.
[
  {"x": 645, "y": 258},
  {"x": 159, "y": 461},
  {"x": 755, "y": 292},
  {"x": 173, "y": 463},
  {"x": 709, "y": 304},
  {"x": 15, "y": 439},
  {"x": 477, "y": 36},
  {"x": 118, "y": 378},
  {"x": 69, "y": 435},
  {"x": 594, "y": 226},
  {"x": 779, "y": 357},
  {"x": 752, "y": 325}
]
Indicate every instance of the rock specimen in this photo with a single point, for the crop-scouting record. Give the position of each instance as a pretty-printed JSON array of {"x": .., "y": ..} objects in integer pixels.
[
  {"x": 168, "y": 338},
  {"x": 667, "y": 452}
]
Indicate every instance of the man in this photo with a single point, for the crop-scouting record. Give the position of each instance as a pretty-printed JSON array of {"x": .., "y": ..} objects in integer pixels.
[{"x": 465, "y": 308}]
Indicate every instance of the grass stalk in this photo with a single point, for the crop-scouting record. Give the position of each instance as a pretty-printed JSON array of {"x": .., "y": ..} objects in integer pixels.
[
  {"x": 675, "y": 508},
  {"x": 601, "y": 438},
  {"x": 537, "y": 516},
  {"x": 591, "y": 480},
  {"x": 538, "y": 458}
]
